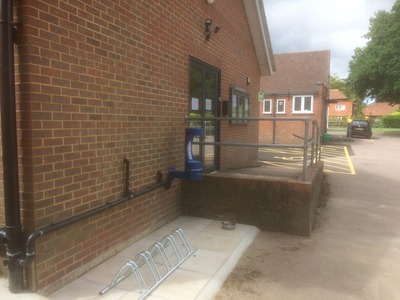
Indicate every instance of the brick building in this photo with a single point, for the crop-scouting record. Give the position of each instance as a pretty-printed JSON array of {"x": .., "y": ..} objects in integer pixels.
[
  {"x": 298, "y": 88},
  {"x": 340, "y": 107},
  {"x": 104, "y": 85},
  {"x": 376, "y": 110}
]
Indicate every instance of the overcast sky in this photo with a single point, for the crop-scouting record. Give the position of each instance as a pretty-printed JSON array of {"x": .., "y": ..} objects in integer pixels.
[{"x": 310, "y": 25}]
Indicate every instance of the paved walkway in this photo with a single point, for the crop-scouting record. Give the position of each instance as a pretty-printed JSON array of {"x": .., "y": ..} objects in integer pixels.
[{"x": 199, "y": 277}]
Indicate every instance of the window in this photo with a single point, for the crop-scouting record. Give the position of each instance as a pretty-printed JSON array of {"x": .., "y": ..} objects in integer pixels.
[
  {"x": 303, "y": 104},
  {"x": 340, "y": 107},
  {"x": 267, "y": 106},
  {"x": 239, "y": 104},
  {"x": 280, "y": 106}
]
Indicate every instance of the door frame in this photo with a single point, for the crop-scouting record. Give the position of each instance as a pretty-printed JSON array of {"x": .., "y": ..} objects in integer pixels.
[{"x": 207, "y": 67}]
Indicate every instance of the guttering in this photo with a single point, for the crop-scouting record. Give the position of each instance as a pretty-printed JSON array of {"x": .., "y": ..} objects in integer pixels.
[
  {"x": 12, "y": 233},
  {"x": 290, "y": 93},
  {"x": 260, "y": 34},
  {"x": 266, "y": 40}
]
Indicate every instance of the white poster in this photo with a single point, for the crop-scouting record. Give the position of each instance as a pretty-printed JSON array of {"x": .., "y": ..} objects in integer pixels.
[
  {"x": 195, "y": 104},
  {"x": 208, "y": 104}
]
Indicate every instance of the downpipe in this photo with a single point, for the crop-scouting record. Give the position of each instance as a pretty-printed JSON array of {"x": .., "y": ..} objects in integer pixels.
[
  {"x": 128, "y": 195},
  {"x": 11, "y": 235}
]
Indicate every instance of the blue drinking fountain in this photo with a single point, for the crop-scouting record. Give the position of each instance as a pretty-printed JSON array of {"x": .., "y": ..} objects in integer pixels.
[{"x": 193, "y": 168}]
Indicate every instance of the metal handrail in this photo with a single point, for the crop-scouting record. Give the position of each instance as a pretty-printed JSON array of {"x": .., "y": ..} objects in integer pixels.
[{"x": 314, "y": 142}]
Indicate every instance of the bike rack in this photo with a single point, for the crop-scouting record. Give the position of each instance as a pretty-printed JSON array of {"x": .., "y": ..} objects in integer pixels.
[{"x": 151, "y": 267}]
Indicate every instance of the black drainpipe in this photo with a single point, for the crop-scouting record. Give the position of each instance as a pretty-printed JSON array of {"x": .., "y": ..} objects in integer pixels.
[
  {"x": 128, "y": 195},
  {"x": 12, "y": 233}
]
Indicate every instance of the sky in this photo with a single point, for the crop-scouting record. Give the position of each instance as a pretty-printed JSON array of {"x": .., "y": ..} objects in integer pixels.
[{"x": 311, "y": 25}]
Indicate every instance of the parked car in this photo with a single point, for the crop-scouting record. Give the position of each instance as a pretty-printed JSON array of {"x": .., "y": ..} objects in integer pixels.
[{"x": 359, "y": 128}]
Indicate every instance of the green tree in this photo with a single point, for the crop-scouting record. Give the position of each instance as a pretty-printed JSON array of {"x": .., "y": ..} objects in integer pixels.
[
  {"x": 374, "y": 70},
  {"x": 335, "y": 82}
]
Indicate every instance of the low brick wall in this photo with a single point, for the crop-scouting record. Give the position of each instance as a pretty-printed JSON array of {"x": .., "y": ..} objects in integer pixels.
[{"x": 269, "y": 203}]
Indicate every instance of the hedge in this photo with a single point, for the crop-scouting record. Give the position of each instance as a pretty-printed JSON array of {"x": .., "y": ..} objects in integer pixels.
[{"x": 391, "y": 121}]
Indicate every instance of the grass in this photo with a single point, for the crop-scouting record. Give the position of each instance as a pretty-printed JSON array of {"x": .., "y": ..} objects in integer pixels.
[
  {"x": 395, "y": 131},
  {"x": 392, "y": 131}
]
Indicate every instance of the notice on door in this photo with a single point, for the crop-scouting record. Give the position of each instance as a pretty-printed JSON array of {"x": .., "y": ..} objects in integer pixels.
[
  {"x": 208, "y": 104},
  {"x": 195, "y": 104}
]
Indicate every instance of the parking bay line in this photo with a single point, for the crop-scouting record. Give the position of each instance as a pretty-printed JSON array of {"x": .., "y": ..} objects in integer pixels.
[
  {"x": 353, "y": 171},
  {"x": 337, "y": 160}
]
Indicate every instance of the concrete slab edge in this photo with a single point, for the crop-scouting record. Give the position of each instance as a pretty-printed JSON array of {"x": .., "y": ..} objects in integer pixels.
[{"x": 218, "y": 279}]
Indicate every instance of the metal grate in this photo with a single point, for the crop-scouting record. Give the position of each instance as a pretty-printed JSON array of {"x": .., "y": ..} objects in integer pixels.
[{"x": 151, "y": 267}]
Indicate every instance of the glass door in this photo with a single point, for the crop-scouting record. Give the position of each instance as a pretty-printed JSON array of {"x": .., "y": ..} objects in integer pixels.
[{"x": 203, "y": 102}]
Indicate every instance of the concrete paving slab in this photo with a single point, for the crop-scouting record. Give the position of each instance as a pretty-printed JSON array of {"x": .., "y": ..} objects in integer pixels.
[{"x": 199, "y": 277}]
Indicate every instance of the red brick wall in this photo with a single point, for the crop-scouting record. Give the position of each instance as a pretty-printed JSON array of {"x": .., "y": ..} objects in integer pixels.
[
  {"x": 270, "y": 204},
  {"x": 291, "y": 132},
  {"x": 100, "y": 81},
  {"x": 231, "y": 50},
  {"x": 347, "y": 112}
]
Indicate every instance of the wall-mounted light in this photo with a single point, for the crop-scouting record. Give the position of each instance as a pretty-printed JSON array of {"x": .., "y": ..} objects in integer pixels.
[
  {"x": 209, "y": 30},
  {"x": 248, "y": 80}
]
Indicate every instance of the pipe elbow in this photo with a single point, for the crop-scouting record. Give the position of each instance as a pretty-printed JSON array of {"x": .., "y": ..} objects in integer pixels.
[
  {"x": 27, "y": 260},
  {"x": 30, "y": 248},
  {"x": 3, "y": 234}
]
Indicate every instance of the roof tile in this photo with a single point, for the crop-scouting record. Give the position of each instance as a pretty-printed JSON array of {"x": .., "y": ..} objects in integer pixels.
[
  {"x": 297, "y": 73},
  {"x": 378, "y": 109}
]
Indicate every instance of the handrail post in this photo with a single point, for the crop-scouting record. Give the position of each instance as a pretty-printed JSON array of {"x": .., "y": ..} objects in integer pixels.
[
  {"x": 313, "y": 143},
  {"x": 318, "y": 145},
  {"x": 305, "y": 150}
]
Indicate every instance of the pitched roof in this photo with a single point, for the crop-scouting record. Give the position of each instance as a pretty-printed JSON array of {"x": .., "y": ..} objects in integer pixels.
[
  {"x": 298, "y": 73},
  {"x": 335, "y": 94},
  {"x": 378, "y": 109},
  {"x": 261, "y": 38}
]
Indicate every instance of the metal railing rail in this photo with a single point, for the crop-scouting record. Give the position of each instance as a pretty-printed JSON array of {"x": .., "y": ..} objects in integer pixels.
[{"x": 312, "y": 143}]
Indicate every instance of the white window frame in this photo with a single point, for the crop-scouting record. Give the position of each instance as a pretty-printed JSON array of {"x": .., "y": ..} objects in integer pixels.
[
  {"x": 302, "y": 109},
  {"x": 340, "y": 107},
  {"x": 284, "y": 106},
  {"x": 240, "y": 105},
  {"x": 270, "y": 106}
]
